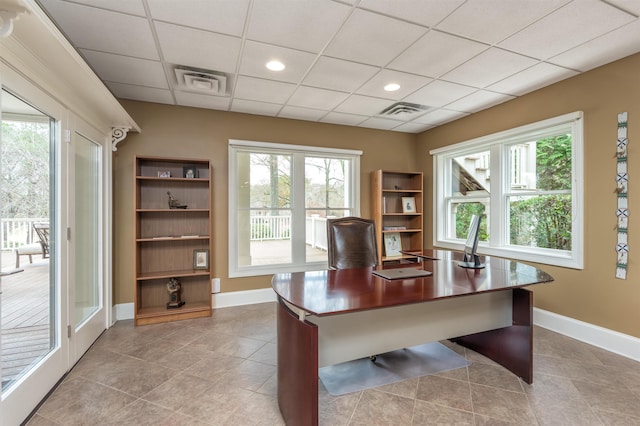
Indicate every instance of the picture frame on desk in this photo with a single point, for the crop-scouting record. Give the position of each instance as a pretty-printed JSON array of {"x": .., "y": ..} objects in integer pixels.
[
  {"x": 392, "y": 244},
  {"x": 408, "y": 204},
  {"x": 201, "y": 259}
]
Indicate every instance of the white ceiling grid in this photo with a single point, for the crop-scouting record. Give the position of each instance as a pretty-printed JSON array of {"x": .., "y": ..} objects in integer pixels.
[{"x": 454, "y": 56}]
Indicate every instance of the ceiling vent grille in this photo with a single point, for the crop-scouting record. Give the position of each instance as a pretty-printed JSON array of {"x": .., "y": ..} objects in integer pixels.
[
  {"x": 403, "y": 108},
  {"x": 201, "y": 81}
]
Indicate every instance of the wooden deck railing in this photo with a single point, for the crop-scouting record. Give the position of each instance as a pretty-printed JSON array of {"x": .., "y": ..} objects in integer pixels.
[{"x": 18, "y": 232}]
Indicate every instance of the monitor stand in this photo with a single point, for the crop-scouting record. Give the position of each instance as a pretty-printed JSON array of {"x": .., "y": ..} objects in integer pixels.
[{"x": 471, "y": 265}]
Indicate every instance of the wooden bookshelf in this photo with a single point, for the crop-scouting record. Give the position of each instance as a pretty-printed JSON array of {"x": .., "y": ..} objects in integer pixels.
[
  {"x": 166, "y": 238},
  {"x": 388, "y": 190}
]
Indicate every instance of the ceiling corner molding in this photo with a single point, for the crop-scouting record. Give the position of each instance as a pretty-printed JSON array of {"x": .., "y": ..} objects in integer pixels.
[
  {"x": 9, "y": 13},
  {"x": 118, "y": 134}
]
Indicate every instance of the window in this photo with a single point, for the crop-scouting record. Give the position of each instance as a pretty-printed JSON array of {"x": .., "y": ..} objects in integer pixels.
[
  {"x": 527, "y": 182},
  {"x": 280, "y": 197}
]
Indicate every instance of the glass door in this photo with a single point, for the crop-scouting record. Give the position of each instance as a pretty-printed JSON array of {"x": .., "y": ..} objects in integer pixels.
[
  {"x": 86, "y": 237},
  {"x": 33, "y": 355}
]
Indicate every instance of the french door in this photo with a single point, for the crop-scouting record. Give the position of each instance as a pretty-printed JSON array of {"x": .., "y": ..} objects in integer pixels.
[
  {"x": 88, "y": 313},
  {"x": 51, "y": 325}
]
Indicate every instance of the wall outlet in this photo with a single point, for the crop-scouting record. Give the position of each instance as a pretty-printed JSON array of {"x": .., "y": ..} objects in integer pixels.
[{"x": 215, "y": 285}]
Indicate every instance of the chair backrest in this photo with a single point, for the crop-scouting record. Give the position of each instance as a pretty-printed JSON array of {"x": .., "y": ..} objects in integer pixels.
[
  {"x": 42, "y": 230},
  {"x": 351, "y": 243}
]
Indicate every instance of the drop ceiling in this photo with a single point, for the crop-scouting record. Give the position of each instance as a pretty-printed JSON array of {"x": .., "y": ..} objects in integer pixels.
[{"x": 450, "y": 57}]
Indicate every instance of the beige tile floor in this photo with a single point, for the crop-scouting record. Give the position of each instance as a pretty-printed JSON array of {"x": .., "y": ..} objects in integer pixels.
[{"x": 221, "y": 371}]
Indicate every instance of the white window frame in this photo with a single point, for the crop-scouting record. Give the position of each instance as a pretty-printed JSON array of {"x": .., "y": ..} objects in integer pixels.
[
  {"x": 498, "y": 144},
  {"x": 297, "y": 203}
]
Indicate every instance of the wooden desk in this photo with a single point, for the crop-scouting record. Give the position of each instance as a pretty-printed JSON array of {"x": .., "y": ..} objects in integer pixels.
[{"x": 327, "y": 317}]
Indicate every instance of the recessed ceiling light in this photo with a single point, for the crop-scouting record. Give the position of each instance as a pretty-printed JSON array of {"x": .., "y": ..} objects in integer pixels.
[
  {"x": 391, "y": 87},
  {"x": 275, "y": 65}
]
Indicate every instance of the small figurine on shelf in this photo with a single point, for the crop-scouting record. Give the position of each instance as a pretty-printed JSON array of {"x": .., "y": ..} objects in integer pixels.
[
  {"x": 174, "y": 203},
  {"x": 173, "y": 287}
]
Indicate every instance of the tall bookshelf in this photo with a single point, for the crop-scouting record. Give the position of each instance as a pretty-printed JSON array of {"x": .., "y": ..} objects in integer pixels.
[
  {"x": 172, "y": 241},
  {"x": 393, "y": 217}
]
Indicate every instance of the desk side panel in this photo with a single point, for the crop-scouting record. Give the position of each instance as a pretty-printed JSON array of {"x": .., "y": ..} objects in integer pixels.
[
  {"x": 511, "y": 347},
  {"x": 297, "y": 368}
]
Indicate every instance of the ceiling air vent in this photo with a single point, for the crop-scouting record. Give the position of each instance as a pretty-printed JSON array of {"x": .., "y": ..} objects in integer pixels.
[
  {"x": 201, "y": 81},
  {"x": 403, "y": 108}
]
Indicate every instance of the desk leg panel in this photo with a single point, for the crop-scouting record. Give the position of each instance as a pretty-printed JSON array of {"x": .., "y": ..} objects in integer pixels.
[
  {"x": 297, "y": 368},
  {"x": 511, "y": 347}
]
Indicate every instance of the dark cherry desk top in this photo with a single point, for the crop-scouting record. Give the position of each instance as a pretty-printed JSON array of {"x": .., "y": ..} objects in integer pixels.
[{"x": 333, "y": 292}]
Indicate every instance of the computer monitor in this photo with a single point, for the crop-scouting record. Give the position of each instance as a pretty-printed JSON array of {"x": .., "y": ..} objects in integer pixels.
[{"x": 471, "y": 259}]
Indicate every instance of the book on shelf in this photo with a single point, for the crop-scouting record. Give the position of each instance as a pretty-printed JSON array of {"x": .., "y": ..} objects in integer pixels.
[{"x": 394, "y": 228}]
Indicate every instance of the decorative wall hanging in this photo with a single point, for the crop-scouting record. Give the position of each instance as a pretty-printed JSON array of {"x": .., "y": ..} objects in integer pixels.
[{"x": 622, "y": 190}]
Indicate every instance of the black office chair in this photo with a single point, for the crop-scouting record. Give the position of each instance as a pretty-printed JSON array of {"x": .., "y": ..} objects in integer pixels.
[{"x": 351, "y": 243}]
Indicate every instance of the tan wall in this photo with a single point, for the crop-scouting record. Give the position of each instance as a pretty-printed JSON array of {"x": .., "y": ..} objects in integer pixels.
[
  {"x": 592, "y": 295},
  {"x": 198, "y": 133}
]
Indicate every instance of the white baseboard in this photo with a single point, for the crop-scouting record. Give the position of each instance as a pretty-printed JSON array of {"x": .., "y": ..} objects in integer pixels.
[
  {"x": 247, "y": 297},
  {"x": 604, "y": 338},
  {"x": 609, "y": 340},
  {"x": 124, "y": 311}
]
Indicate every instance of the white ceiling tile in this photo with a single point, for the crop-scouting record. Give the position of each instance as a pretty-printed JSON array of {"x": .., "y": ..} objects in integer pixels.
[
  {"x": 256, "y": 55},
  {"x": 344, "y": 119},
  {"x": 540, "y": 75},
  {"x": 436, "y": 53},
  {"x": 300, "y": 113},
  {"x": 631, "y": 6},
  {"x": 125, "y": 69},
  {"x": 133, "y": 7},
  {"x": 106, "y": 31},
  {"x": 338, "y": 74},
  {"x": 372, "y": 39},
  {"x": 197, "y": 48},
  {"x": 301, "y": 24},
  {"x": 440, "y": 116},
  {"x": 439, "y": 93},
  {"x": 221, "y": 16},
  {"x": 608, "y": 48},
  {"x": 411, "y": 127},
  {"x": 409, "y": 83},
  {"x": 505, "y": 17},
  {"x": 254, "y": 107},
  {"x": 478, "y": 101},
  {"x": 489, "y": 67},
  {"x": 312, "y": 97},
  {"x": 139, "y": 93},
  {"x": 198, "y": 100},
  {"x": 442, "y": 53},
  {"x": 363, "y": 105},
  {"x": 424, "y": 12},
  {"x": 380, "y": 123},
  {"x": 257, "y": 89},
  {"x": 569, "y": 26}
]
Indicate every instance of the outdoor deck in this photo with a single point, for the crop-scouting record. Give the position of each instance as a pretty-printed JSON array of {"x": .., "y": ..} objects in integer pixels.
[
  {"x": 25, "y": 304},
  {"x": 24, "y": 314}
]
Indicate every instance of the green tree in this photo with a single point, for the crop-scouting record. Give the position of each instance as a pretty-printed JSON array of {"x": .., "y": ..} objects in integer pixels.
[
  {"x": 545, "y": 221},
  {"x": 25, "y": 169},
  {"x": 553, "y": 162}
]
